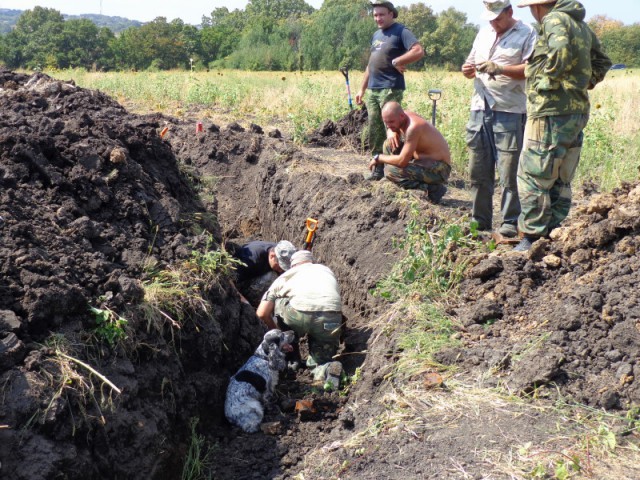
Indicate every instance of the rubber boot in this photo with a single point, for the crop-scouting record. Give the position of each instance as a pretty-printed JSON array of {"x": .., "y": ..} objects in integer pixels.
[
  {"x": 377, "y": 174},
  {"x": 436, "y": 192}
]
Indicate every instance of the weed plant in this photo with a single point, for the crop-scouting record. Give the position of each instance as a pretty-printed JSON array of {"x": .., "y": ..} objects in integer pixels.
[{"x": 110, "y": 327}]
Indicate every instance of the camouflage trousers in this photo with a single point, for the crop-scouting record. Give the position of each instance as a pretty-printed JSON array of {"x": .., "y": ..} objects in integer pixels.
[
  {"x": 322, "y": 328},
  {"x": 547, "y": 166},
  {"x": 416, "y": 176},
  {"x": 375, "y": 100},
  {"x": 494, "y": 140}
]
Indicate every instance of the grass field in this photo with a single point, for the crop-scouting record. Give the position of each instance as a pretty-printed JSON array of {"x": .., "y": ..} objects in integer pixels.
[
  {"x": 299, "y": 102},
  {"x": 420, "y": 284}
]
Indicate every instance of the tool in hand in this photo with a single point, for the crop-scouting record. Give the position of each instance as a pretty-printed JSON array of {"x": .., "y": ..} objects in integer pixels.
[
  {"x": 434, "y": 95},
  {"x": 345, "y": 72},
  {"x": 312, "y": 226}
]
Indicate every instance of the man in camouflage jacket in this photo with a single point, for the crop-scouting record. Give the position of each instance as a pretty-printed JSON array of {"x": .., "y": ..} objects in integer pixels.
[{"x": 567, "y": 61}]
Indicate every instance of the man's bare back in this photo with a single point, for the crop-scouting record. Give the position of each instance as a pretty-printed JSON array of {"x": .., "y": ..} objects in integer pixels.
[{"x": 431, "y": 145}]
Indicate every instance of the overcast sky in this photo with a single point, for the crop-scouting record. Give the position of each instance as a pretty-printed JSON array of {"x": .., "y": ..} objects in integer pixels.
[{"x": 191, "y": 11}]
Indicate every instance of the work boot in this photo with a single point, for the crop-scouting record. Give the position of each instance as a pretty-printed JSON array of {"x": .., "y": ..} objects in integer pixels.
[
  {"x": 436, "y": 192},
  {"x": 508, "y": 230},
  {"x": 377, "y": 174},
  {"x": 333, "y": 373},
  {"x": 525, "y": 244}
]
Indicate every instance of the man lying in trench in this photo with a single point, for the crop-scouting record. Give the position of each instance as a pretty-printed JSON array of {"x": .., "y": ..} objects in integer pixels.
[
  {"x": 306, "y": 299},
  {"x": 416, "y": 151},
  {"x": 263, "y": 262}
]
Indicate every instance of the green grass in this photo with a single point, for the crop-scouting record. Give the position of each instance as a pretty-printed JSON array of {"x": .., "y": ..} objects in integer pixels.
[{"x": 176, "y": 294}]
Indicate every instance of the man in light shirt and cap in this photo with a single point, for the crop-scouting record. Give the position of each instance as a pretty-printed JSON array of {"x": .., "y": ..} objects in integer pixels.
[
  {"x": 306, "y": 298},
  {"x": 495, "y": 130}
]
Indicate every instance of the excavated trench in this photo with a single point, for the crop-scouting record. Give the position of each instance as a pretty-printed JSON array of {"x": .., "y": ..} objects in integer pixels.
[{"x": 90, "y": 197}]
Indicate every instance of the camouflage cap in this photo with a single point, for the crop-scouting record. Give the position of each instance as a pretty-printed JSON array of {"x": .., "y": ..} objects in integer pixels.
[
  {"x": 387, "y": 5},
  {"x": 284, "y": 251},
  {"x": 527, "y": 3},
  {"x": 493, "y": 8}
]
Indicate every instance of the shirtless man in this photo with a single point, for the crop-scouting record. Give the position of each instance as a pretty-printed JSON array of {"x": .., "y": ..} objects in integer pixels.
[{"x": 417, "y": 153}]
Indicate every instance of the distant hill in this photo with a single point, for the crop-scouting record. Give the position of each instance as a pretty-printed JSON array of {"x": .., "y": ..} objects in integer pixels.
[{"x": 8, "y": 19}]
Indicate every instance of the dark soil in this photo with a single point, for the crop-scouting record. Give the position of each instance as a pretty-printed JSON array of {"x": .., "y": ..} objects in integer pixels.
[
  {"x": 565, "y": 319},
  {"x": 91, "y": 195},
  {"x": 347, "y": 133}
]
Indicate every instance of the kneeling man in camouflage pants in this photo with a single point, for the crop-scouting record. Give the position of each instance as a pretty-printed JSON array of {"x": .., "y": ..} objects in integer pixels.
[{"x": 307, "y": 299}]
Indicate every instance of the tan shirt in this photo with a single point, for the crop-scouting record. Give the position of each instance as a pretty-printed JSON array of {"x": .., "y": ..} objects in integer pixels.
[
  {"x": 311, "y": 287},
  {"x": 504, "y": 94}
]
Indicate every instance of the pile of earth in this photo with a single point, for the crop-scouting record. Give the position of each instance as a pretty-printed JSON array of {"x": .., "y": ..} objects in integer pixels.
[
  {"x": 563, "y": 320},
  {"x": 347, "y": 133},
  {"x": 89, "y": 196}
]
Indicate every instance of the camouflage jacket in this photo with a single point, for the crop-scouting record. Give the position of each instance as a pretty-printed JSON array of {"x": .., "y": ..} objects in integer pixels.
[{"x": 566, "y": 62}]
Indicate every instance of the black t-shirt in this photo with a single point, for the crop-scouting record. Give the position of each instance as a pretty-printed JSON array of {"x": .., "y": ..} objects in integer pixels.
[
  {"x": 256, "y": 255},
  {"x": 385, "y": 46}
]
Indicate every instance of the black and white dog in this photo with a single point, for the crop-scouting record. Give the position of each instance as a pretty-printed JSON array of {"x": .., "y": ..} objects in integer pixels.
[{"x": 256, "y": 381}]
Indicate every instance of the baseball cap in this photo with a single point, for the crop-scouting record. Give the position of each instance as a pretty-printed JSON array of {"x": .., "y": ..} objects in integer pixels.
[{"x": 493, "y": 8}]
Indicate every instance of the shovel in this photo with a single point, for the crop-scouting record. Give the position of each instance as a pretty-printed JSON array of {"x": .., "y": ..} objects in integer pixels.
[{"x": 345, "y": 72}]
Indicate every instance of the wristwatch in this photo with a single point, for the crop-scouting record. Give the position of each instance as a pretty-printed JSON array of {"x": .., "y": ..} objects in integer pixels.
[
  {"x": 376, "y": 157},
  {"x": 394, "y": 62}
]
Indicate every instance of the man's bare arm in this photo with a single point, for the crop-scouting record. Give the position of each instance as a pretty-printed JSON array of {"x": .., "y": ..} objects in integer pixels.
[
  {"x": 404, "y": 157},
  {"x": 265, "y": 313}
]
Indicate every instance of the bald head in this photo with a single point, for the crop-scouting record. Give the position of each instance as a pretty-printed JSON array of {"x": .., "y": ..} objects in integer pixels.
[
  {"x": 393, "y": 116},
  {"x": 392, "y": 109}
]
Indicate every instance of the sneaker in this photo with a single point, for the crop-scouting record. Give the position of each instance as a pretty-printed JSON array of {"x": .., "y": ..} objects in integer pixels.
[
  {"x": 525, "y": 244},
  {"x": 508, "y": 230},
  {"x": 377, "y": 174},
  {"x": 333, "y": 373},
  {"x": 436, "y": 192}
]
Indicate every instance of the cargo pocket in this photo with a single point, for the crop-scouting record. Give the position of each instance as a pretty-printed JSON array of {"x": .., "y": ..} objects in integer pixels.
[
  {"x": 506, "y": 135},
  {"x": 474, "y": 137}
]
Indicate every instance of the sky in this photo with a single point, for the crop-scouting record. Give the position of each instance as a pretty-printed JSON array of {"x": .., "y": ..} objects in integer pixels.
[{"x": 192, "y": 11}]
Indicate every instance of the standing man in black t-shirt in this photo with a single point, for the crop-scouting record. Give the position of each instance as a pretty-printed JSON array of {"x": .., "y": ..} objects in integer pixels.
[{"x": 393, "y": 47}]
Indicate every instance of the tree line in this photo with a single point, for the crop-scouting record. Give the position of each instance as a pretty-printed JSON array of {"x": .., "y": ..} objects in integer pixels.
[{"x": 281, "y": 35}]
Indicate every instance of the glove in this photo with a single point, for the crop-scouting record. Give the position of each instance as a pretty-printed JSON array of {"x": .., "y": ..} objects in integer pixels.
[{"x": 490, "y": 68}]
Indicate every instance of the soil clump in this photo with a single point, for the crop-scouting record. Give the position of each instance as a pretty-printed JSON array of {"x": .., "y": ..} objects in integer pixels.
[{"x": 563, "y": 320}]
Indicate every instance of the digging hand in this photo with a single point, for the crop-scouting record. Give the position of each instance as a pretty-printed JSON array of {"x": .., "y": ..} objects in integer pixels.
[{"x": 490, "y": 68}]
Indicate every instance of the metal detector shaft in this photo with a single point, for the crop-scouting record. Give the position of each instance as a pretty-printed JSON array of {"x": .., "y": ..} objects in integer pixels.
[
  {"x": 345, "y": 72},
  {"x": 434, "y": 95}
]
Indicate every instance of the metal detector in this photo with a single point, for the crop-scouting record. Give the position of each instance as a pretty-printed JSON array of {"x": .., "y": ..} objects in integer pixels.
[{"x": 434, "y": 95}]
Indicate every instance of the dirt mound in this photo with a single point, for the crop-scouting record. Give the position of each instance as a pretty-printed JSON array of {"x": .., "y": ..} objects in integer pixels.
[
  {"x": 347, "y": 133},
  {"x": 564, "y": 319},
  {"x": 89, "y": 195}
]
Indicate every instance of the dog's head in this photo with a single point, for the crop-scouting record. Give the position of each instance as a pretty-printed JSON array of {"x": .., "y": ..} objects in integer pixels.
[{"x": 274, "y": 345}]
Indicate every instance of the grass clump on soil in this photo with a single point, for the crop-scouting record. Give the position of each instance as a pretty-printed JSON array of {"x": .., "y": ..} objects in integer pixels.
[
  {"x": 198, "y": 463},
  {"x": 72, "y": 382},
  {"x": 176, "y": 294}
]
